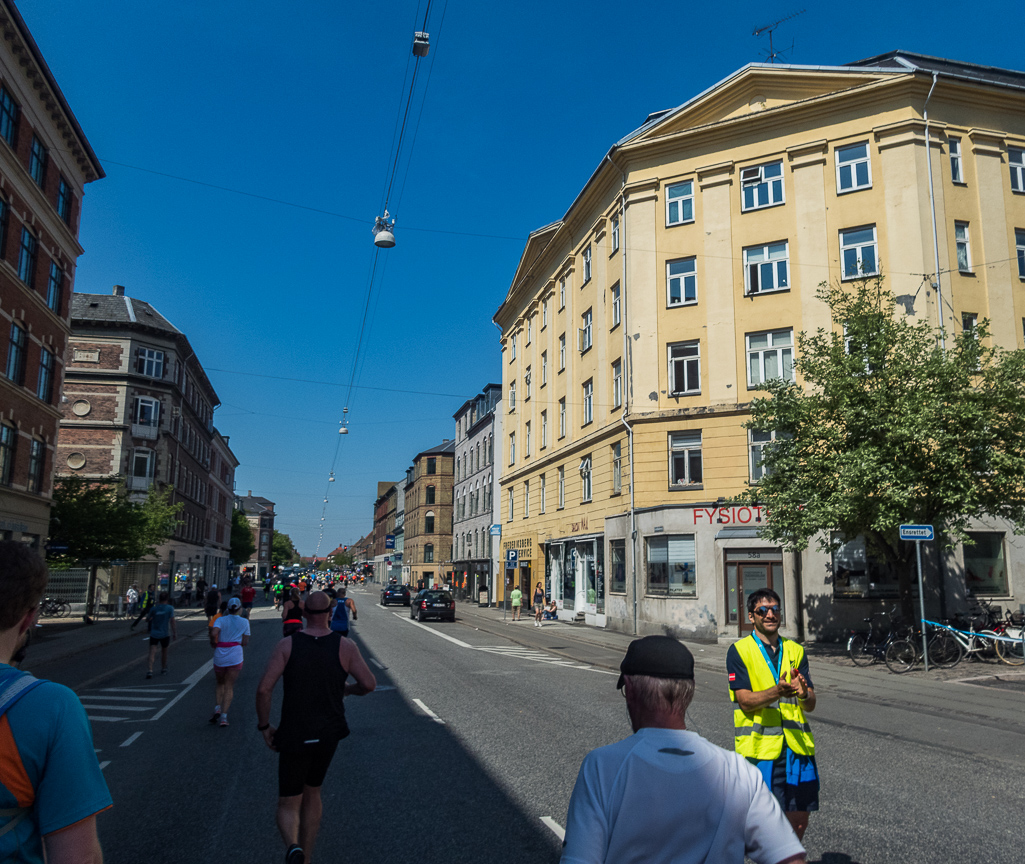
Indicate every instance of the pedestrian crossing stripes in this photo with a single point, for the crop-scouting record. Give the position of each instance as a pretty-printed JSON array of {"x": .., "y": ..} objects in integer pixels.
[
  {"x": 114, "y": 705},
  {"x": 529, "y": 654}
]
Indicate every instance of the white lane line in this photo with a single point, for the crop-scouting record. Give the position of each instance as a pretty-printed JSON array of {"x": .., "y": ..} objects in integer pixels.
[
  {"x": 131, "y": 738},
  {"x": 380, "y": 688},
  {"x": 429, "y": 712},
  {"x": 190, "y": 682},
  {"x": 122, "y": 698},
  {"x": 93, "y": 707},
  {"x": 451, "y": 639},
  {"x": 105, "y": 719},
  {"x": 554, "y": 826},
  {"x": 377, "y": 663},
  {"x": 133, "y": 689},
  {"x": 104, "y": 764}
]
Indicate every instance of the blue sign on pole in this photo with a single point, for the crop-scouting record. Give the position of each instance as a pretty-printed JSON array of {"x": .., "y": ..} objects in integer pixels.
[
  {"x": 496, "y": 530},
  {"x": 917, "y": 532},
  {"x": 512, "y": 559},
  {"x": 389, "y": 541}
]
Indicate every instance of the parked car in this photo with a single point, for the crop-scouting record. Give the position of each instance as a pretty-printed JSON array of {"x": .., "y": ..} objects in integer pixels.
[
  {"x": 395, "y": 593},
  {"x": 430, "y": 603}
]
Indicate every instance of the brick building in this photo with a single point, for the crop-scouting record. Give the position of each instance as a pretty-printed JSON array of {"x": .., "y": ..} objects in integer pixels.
[
  {"x": 386, "y": 564},
  {"x": 428, "y": 522},
  {"x": 45, "y": 162},
  {"x": 260, "y": 515}
]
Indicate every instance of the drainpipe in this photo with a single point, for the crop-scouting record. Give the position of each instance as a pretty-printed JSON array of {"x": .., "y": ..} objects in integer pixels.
[
  {"x": 932, "y": 207},
  {"x": 626, "y": 392}
]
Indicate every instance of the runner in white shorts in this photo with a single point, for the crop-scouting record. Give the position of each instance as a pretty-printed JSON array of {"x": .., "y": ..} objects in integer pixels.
[{"x": 230, "y": 634}]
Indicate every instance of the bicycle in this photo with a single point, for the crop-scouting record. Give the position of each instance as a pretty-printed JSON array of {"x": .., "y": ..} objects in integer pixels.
[
  {"x": 51, "y": 607},
  {"x": 865, "y": 649},
  {"x": 947, "y": 647}
]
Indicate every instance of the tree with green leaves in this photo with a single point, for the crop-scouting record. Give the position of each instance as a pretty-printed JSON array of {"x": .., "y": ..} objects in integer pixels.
[
  {"x": 242, "y": 545},
  {"x": 282, "y": 551},
  {"x": 890, "y": 426}
]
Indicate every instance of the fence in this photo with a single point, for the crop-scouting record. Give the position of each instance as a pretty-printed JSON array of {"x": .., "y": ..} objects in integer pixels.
[{"x": 70, "y": 586}]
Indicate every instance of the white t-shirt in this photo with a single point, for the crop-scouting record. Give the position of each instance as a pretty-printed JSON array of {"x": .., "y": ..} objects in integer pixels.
[
  {"x": 667, "y": 796},
  {"x": 233, "y": 628}
]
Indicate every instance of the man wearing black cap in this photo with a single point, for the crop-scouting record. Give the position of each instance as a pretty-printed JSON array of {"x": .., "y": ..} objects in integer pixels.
[{"x": 665, "y": 794}]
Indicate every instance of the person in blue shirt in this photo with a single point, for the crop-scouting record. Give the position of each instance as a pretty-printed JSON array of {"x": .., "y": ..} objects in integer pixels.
[
  {"x": 51, "y": 786},
  {"x": 340, "y": 618},
  {"x": 161, "y": 626}
]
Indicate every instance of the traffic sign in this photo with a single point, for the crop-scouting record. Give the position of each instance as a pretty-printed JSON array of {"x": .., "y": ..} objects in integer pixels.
[
  {"x": 917, "y": 532},
  {"x": 512, "y": 559},
  {"x": 496, "y": 530}
]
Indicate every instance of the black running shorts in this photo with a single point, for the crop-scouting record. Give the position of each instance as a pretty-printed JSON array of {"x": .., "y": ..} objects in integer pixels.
[{"x": 307, "y": 767}]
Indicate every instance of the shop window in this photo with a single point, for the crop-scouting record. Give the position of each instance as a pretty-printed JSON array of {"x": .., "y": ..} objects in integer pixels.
[
  {"x": 858, "y": 571},
  {"x": 671, "y": 565},
  {"x": 985, "y": 567},
  {"x": 617, "y": 566}
]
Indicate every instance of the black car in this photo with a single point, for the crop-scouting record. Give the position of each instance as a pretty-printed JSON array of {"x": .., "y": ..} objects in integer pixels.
[
  {"x": 395, "y": 593},
  {"x": 433, "y": 604}
]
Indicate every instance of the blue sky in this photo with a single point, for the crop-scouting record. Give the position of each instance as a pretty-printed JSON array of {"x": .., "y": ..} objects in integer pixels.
[{"x": 298, "y": 102}]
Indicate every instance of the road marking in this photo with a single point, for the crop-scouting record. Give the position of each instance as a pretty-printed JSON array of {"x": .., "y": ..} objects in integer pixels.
[
  {"x": 190, "y": 682},
  {"x": 378, "y": 664},
  {"x": 93, "y": 707},
  {"x": 126, "y": 698},
  {"x": 131, "y": 738},
  {"x": 429, "y": 712},
  {"x": 554, "y": 826},
  {"x": 132, "y": 689},
  {"x": 451, "y": 639},
  {"x": 102, "y": 719},
  {"x": 104, "y": 764},
  {"x": 380, "y": 688}
]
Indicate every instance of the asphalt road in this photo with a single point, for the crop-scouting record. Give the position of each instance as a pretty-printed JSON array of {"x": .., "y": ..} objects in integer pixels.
[{"x": 469, "y": 750}]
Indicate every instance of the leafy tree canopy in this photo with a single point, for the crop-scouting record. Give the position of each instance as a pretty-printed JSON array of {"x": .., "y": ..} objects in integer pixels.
[
  {"x": 282, "y": 551},
  {"x": 242, "y": 546},
  {"x": 887, "y": 428}
]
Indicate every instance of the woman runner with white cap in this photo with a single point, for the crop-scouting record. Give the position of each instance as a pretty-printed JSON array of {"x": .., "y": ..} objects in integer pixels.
[{"x": 230, "y": 634}]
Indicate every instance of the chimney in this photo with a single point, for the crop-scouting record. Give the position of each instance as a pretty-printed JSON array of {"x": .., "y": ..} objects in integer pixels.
[
  {"x": 250, "y": 493},
  {"x": 119, "y": 291}
]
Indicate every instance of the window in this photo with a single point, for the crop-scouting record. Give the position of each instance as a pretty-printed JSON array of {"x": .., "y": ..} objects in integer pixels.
[
  {"x": 770, "y": 355},
  {"x": 562, "y": 487},
  {"x": 969, "y": 321},
  {"x": 429, "y": 522},
  {"x": 684, "y": 368},
  {"x": 526, "y": 498},
  {"x": 512, "y": 447},
  {"x": 428, "y": 553},
  {"x": 617, "y": 384},
  {"x": 671, "y": 565},
  {"x": 512, "y": 347},
  {"x": 7, "y": 439},
  {"x": 5, "y": 215},
  {"x": 526, "y": 439},
  {"x": 542, "y": 495},
  {"x": 617, "y": 468},
  {"x": 588, "y": 401},
  {"x": 758, "y": 442},
  {"x": 585, "y": 331},
  {"x": 429, "y": 497},
  {"x": 616, "y": 311},
  {"x": 585, "y": 479},
  {"x": 432, "y": 465},
  {"x": 17, "y": 352},
  {"x": 615, "y": 233},
  {"x": 562, "y": 293},
  {"x": 36, "y": 462},
  {"x": 858, "y": 252},
  {"x": 147, "y": 411},
  {"x": 27, "y": 257},
  {"x": 526, "y": 384},
  {"x": 544, "y": 368},
  {"x": 956, "y": 167},
  {"x": 587, "y": 266},
  {"x": 766, "y": 268},
  {"x": 8, "y": 116},
  {"x": 150, "y": 362},
  {"x": 37, "y": 162},
  {"x": 685, "y": 458},
  {"x": 762, "y": 186},
  {"x": 44, "y": 384},
  {"x": 143, "y": 463},
  {"x": 1019, "y": 248},
  {"x": 512, "y": 505},
  {"x": 1016, "y": 160},
  {"x": 562, "y": 352},
  {"x": 853, "y": 169},
  {"x": 859, "y": 572},
  {"x": 617, "y": 566},
  {"x": 544, "y": 313},
  {"x": 680, "y": 203},
  {"x": 562, "y": 417},
  {"x": 963, "y": 244},
  {"x": 54, "y": 287},
  {"x": 985, "y": 567},
  {"x": 544, "y": 429},
  {"x": 64, "y": 200},
  {"x": 512, "y": 395},
  {"x": 681, "y": 282},
  {"x": 530, "y": 330}
]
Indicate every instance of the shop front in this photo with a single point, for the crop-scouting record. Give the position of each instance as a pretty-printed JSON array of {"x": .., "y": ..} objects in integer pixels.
[
  {"x": 521, "y": 560},
  {"x": 575, "y": 577}
]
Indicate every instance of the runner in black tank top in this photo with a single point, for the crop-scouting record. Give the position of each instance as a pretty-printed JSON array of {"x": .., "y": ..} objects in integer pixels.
[{"x": 312, "y": 711}]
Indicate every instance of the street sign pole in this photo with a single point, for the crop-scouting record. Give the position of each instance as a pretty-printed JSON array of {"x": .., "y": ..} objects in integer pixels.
[{"x": 921, "y": 604}]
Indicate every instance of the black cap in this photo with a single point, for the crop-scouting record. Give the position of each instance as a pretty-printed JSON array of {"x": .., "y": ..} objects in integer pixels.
[{"x": 657, "y": 656}]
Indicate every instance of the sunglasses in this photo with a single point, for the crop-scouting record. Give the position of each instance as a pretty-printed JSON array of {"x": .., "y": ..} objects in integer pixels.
[{"x": 762, "y": 611}]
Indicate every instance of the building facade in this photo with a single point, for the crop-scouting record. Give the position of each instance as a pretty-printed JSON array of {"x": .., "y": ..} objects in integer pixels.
[
  {"x": 222, "y": 502},
  {"x": 386, "y": 565},
  {"x": 45, "y": 162},
  {"x": 474, "y": 548},
  {"x": 260, "y": 516},
  {"x": 638, "y": 328},
  {"x": 428, "y": 520}
]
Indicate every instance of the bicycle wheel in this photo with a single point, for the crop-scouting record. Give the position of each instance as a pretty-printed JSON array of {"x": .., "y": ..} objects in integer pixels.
[
  {"x": 1012, "y": 653},
  {"x": 900, "y": 656},
  {"x": 63, "y": 609},
  {"x": 856, "y": 648},
  {"x": 945, "y": 651}
]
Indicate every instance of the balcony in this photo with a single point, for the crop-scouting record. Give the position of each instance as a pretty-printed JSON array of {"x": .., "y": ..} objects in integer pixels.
[
  {"x": 141, "y": 430},
  {"x": 139, "y": 483}
]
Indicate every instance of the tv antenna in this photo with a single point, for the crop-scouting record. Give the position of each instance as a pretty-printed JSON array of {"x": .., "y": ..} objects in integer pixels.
[{"x": 770, "y": 29}]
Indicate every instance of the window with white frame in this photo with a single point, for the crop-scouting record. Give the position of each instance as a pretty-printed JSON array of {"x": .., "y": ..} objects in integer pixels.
[
  {"x": 544, "y": 429},
  {"x": 587, "y": 266},
  {"x": 562, "y": 293},
  {"x": 617, "y": 468},
  {"x": 762, "y": 186},
  {"x": 542, "y": 495},
  {"x": 526, "y": 439},
  {"x": 1016, "y": 161},
  {"x": 767, "y": 268},
  {"x": 684, "y": 368},
  {"x": 143, "y": 462},
  {"x": 530, "y": 330},
  {"x": 685, "y": 458},
  {"x": 512, "y": 347},
  {"x": 758, "y": 442},
  {"x": 147, "y": 411},
  {"x": 562, "y": 352},
  {"x": 562, "y": 486},
  {"x": 1019, "y": 248},
  {"x": 963, "y": 245},
  {"x": 544, "y": 368},
  {"x": 615, "y": 233},
  {"x": 858, "y": 255},
  {"x": 770, "y": 355},
  {"x": 617, "y": 315},
  {"x": 956, "y": 165},
  {"x": 512, "y": 395},
  {"x": 544, "y": 313},
  {"x": 526, "y": 498},
  {"x": 585, "y": 479},
  {"x": 853, "y": 168},
  {"x": 585, "y": 331},
  {"x": 526, "y": 384},
  {"x": 680, "y": 203},
  {"x": 617, "y": 384},
  {"x": 588, "y": 401},
  {"x": 671, "y": 561},
  {"x": 562, "y": 417},
  {"x": 150, "y": 362},
  {"x": 512, "y": 447},
  {"x": 681, "y": 282},
  {"x": 969, "y": 323}
]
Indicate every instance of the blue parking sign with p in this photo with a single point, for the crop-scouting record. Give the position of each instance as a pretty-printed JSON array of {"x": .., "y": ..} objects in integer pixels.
[{"x": 512, "y": 558}]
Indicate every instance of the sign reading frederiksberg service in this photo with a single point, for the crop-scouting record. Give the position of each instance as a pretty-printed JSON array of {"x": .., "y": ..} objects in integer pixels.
[{"x": 917, "y": 532}]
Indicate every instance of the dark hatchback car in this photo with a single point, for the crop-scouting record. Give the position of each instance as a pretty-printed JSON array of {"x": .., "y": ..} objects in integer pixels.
[
  {"x": 395, "y": 593},
  {"x": 433, "y": 604}
]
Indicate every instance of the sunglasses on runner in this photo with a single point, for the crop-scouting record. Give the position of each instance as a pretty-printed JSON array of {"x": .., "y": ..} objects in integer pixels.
[{"x": 762, "y": 611}]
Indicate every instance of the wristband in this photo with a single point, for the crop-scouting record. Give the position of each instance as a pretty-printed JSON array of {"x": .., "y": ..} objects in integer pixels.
[{"x": 263, "y": 727}]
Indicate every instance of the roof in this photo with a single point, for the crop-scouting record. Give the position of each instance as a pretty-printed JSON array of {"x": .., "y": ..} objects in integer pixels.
[
  {"x": 446, "y": 446},
  {"x": 111, "y": 309},
  {"x": 909, "y": 61},
  {"x": 256, "y": 504},
  {"x": 469, "y": 403}
]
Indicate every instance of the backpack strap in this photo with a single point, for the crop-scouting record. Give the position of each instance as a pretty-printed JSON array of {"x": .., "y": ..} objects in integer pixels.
[{"x": 14, "y": 687}]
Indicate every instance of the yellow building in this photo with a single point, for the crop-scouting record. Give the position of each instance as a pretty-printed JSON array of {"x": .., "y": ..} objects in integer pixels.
[{"x": 637, "y": 326}]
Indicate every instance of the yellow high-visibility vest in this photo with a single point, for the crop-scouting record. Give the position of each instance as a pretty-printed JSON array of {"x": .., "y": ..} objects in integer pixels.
[{"x": 760, "y": 734}]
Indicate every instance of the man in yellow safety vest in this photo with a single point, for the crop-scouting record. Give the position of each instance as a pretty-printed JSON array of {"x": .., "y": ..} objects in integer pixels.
[{"x": 771, "y": 689}]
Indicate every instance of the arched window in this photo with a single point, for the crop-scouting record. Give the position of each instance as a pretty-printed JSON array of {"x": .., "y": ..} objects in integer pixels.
[
  {"x": 429, "y": 553},
  {"x": 429, "y": 522}
]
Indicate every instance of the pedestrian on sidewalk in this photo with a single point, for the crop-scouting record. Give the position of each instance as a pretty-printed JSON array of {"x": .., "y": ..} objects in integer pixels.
[
  {"x": 771, "y": 687},
  {"x": 248, "y": 597},
  {"x": 342, "y": 610},
  {"x": 292, "y": 614},
  {"x": 665, "y": 794},
  {"x": 539, "y": 603},
  {"x": 162, "y": 625},
  {"x": 145, "y": 604},
  {"x": 516, "y": 598},
  {"x": 315, "y": 664},
  {"x": 51, "y": 786},
  {"x": 229, "y": 635},
  {"x": 131, "y": 599}
]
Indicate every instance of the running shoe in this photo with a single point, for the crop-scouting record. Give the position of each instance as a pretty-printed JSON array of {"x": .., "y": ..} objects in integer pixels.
[
  {"x": 216, "y": 717},
  {"x": 149, "y": 674},
  {"x": 163, "y": 671},
  {"x": 295, "y": 855},
  {"x": 224, "y": 720}
]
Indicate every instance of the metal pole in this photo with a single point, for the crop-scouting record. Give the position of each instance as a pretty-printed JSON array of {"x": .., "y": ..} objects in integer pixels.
[{"x": 921, "y": 603}]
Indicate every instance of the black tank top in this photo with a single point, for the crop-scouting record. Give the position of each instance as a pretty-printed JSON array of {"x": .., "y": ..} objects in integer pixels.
[
  {"x": 312, "y": 710},
  {"x": 293, "y": 614}
]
